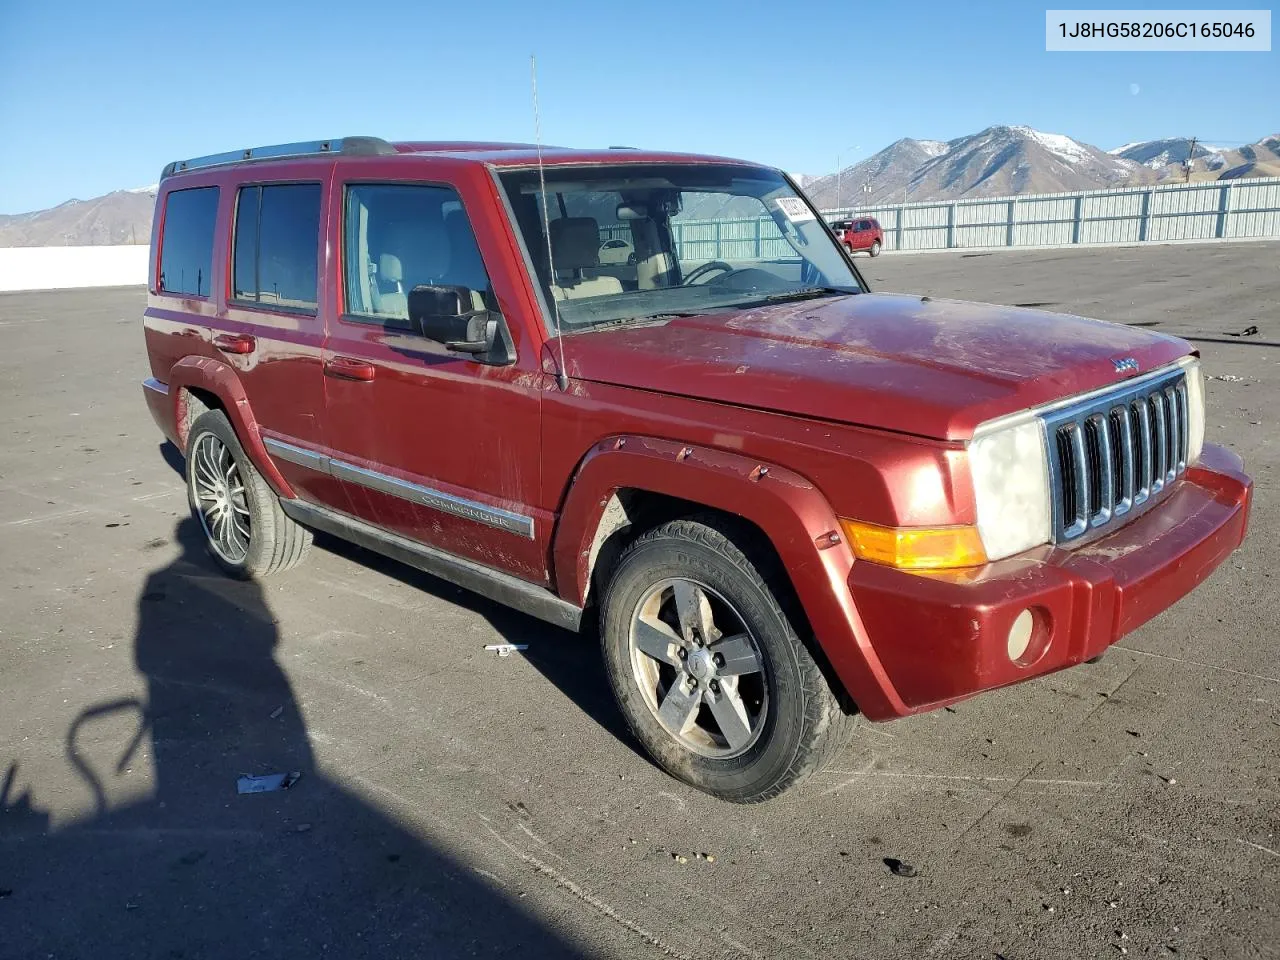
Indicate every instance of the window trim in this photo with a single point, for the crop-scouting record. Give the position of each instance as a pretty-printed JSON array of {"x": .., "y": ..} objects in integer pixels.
[
  {"x": 257, "y": 305},
  {"x": 164, "y": 238},
  {"x": 391, "y": 324}
]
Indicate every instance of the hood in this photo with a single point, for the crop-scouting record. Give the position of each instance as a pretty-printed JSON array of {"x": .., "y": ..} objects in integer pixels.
[{"x": 934, "y": 368}]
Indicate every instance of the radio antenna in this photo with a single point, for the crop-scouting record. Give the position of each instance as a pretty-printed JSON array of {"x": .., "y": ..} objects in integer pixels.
[{"x": 562, "y": 376}]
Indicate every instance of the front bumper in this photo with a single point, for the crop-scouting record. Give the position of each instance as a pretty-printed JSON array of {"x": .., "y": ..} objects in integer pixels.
[{"x": 943, "y": 636}]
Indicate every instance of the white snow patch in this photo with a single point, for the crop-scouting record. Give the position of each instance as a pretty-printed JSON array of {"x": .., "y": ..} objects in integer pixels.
[
  {"x": 934, "y": 148},
  {"x": 1057, "y": 143},
  {"x": 151, "y": 189},
  {"x": 1125, "y": 146}
]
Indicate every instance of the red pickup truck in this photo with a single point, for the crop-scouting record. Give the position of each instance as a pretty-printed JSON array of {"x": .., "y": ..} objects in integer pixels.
[{"x": 782, "y": 500}]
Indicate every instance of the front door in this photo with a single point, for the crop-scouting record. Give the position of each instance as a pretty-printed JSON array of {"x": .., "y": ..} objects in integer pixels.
[{"x": 432, "y": 445}]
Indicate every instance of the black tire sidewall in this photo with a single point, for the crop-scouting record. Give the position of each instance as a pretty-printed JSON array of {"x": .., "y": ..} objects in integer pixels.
[
  {"x": 768, "y": 760},
  {"x": 255, "y": 490}
]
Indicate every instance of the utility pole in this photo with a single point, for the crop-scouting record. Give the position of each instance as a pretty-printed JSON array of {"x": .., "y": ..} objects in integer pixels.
[
  {"x": 840, "y": 173},
  {"x": 1191, "y": 154}
]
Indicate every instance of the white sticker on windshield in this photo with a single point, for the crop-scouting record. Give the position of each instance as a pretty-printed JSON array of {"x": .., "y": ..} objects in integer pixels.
[{"x": 795, "y": 209}]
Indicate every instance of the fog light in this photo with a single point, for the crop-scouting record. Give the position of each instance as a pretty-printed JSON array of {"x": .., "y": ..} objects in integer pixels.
[{"x": 1020, "y": 634}]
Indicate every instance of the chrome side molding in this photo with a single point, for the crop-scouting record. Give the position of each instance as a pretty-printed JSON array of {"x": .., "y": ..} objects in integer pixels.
[
  {"x": 517, "y": 523},
  {"x": 511, "y": 591}
]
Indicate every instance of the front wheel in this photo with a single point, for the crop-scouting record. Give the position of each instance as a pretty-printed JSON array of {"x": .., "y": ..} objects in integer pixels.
[
  {"x": 875, "y": 248},
  {"x": 247, "y": 533},
  {"x": 708, "y": 669}
]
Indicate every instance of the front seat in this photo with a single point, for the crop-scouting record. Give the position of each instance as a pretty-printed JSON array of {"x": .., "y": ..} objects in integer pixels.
[{"x": 575, "y": 247}]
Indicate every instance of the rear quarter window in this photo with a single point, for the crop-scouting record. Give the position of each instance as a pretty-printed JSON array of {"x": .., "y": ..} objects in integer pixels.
[{"x": 186, "y": 243}]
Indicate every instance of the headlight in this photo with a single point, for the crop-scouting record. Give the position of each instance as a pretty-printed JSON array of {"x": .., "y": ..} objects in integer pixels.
[
  {"x": 1195, "y": 408},
  {"x": 1010, "y": 472}
]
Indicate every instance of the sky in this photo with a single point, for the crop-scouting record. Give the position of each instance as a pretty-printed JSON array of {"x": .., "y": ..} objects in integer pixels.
[{"x": 100, "y": 96}]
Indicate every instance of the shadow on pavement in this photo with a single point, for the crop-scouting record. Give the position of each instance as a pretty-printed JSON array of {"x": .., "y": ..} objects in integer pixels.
[
  {"x": 195, "y": 870},
  {"x": 572, "y": 662}
]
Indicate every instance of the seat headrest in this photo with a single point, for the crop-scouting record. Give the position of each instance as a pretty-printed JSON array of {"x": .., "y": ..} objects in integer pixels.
[
  {"x": 389, "y": 268},
  {"x": 575, "y": 243}
]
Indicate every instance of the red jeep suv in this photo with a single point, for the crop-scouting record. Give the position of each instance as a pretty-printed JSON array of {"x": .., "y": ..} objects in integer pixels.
[
  {"x": 782, "y": 500},
  {"x": 860, "y": 233}
]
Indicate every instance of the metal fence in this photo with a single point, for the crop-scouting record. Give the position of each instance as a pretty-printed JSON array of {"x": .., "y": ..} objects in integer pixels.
[{"x": 1217, "y": 210}]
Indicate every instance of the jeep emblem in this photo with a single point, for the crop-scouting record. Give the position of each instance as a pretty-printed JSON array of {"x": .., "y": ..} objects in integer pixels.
[{"x": 1126, "y": 365}]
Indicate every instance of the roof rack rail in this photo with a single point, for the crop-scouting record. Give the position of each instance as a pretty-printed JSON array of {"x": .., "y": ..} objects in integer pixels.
[{"x": 345, "y": 146}]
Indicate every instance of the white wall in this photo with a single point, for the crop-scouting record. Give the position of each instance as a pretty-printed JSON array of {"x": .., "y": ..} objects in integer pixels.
[{"x": 53, "y": 268}]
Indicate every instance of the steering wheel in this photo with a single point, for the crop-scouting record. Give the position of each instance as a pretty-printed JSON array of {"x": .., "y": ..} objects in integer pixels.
[{"x": 706, "y": 268}]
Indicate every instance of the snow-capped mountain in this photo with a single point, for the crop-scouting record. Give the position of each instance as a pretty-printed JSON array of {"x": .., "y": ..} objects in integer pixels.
[
  {"x": 997, "y": 161},
  {"x": 1157, "y": 154},
  {"x": 1168, "y": 158},
  {"x": 879, "y": 178}
]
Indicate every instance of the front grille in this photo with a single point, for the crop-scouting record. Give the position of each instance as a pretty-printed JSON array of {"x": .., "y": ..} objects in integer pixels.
[{"x": 1113, "y": 455}]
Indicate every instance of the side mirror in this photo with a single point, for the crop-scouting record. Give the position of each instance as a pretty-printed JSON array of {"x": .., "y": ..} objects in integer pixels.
[{"x": 444, "y": 314}]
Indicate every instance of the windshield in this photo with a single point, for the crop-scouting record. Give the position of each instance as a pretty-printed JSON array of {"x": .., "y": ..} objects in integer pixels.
[{"x": 630, "y": 243}]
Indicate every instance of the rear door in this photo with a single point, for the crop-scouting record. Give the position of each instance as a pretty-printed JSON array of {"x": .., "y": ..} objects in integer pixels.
[
  {"x": 432, "y": 445},
  {"x": 270, "y": 329}
]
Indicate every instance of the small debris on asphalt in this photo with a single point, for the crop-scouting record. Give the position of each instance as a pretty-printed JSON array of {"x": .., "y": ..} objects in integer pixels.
[
  {"x": 1249, "y": 331},
  {"x": 267, "y": 783},
  {"x": 900, "y": 869},
  {"x": 1133, "y": 733},
  {"x": 275, "y": 714},
  {"x": 679, "y": 858},
  {"x": 1225, "y": 378},
  {"x": 506, "y": 649}
]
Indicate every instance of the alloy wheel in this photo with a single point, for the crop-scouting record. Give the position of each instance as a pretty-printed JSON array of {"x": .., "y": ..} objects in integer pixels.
[
  {"x": 220, "y": 498},
  {"x": 698, "y": 668}
]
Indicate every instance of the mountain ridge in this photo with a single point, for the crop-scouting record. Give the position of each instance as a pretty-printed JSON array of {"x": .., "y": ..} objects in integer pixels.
[{"x": 1002, "y": 160}]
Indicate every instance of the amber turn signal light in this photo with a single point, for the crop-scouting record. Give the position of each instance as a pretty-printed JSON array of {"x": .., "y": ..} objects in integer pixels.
[{"x": 915, "y": 548}]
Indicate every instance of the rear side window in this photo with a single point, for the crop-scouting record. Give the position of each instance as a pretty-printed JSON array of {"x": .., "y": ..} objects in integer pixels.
[
  {"x": 399, "y": 236},
  {"x": 277, "y": 243},
  {"x": 186, "y": 247}
]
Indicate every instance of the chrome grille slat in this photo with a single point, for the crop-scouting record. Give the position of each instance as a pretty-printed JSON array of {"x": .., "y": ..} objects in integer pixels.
[
  {"x": 1156, "y": 401},
  {"x": 1112, "y": 456}
]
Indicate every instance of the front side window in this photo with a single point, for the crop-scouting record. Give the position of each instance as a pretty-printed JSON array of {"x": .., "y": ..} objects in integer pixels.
[
  {"x": 277, "y": 242},
  {"x": 400, "y": 236},
  {"x": 694, "y": 238},
  {"x": 186, "y": 246}
]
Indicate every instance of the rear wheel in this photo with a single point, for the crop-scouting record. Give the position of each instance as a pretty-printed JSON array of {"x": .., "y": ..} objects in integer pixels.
[
  {"x": 247, "y": 533},
  {"x": 708, "y": 669},
  {"x": 875, "y": 248}
]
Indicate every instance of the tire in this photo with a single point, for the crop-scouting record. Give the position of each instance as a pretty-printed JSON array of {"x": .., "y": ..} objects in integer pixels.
[
  {"x": 875, "y": 248},
  {"x": 788, "y": 722},
  {"x": 272, "y": 542}
]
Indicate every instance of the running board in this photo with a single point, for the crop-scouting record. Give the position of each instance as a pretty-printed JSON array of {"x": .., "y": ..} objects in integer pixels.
[{"x": 505, "y": 589}]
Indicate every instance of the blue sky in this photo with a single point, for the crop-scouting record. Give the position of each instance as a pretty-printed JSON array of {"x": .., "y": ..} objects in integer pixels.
[{"x": 99, "y": 96}]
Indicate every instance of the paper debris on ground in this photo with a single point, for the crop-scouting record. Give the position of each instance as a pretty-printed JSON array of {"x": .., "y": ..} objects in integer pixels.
[
  {"x": 266, "y": 783},
  {"x": 506, "y": 649}
]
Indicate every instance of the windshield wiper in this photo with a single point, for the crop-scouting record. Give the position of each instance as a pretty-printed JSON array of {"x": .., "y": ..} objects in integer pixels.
[
  {"x": 643, "y": 321},
  {"x": 807, "y": 293}
]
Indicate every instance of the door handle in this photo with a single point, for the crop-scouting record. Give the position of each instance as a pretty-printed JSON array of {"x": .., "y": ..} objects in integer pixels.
[
  {"x": 235, "y": 343},
  {"x": 349, "y": 368}
]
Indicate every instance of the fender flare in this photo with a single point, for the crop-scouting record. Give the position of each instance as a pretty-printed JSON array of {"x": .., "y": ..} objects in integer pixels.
[
  {"x": 205, "y": 373},
  {"x": 791, "y": 512}
]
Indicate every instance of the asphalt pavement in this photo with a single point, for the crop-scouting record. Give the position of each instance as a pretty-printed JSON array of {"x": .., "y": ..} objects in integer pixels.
[{"x": 453, "y": 803}]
